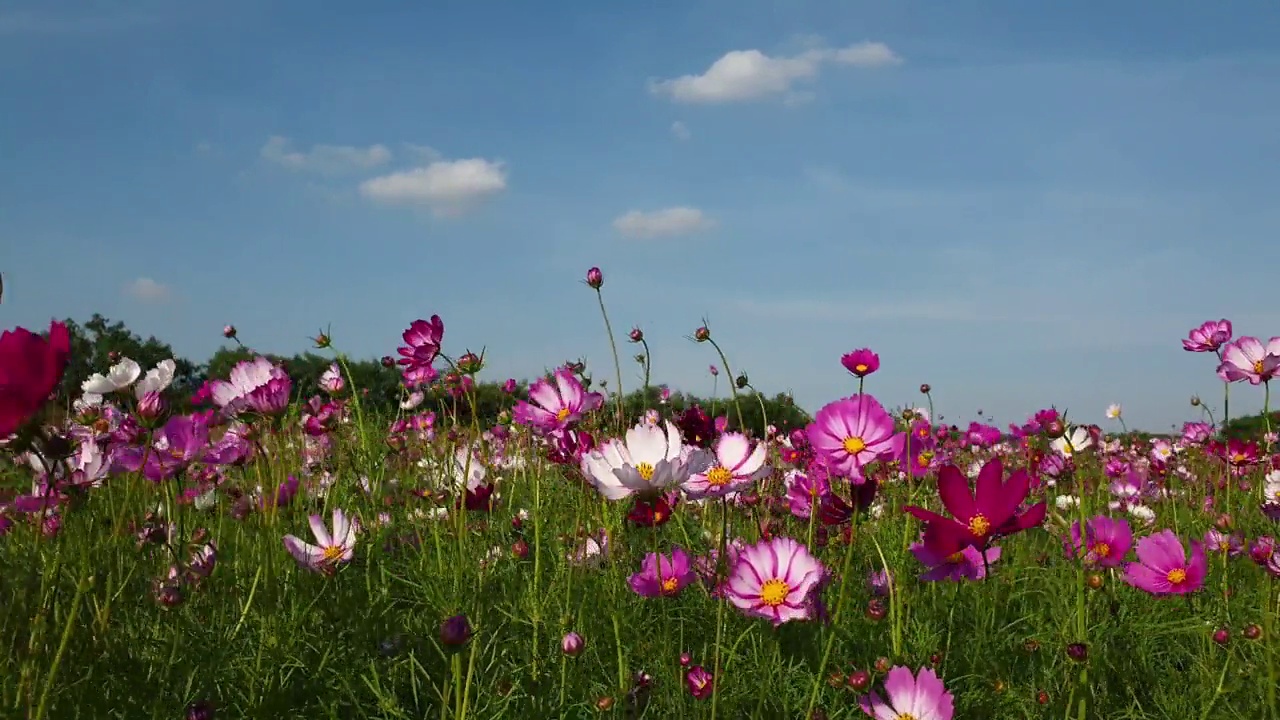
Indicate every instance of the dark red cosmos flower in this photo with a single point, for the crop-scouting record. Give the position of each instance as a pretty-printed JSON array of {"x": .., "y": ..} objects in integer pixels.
[
  {"x": 992, "y": 511},
  {"x": 30, "y": 369}
]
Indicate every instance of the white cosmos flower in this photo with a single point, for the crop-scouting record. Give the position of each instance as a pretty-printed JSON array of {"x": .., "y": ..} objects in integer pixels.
[
  {"x": 1271, "y": 486},
  {"x": 1075, "y": 441},
  {"x": 413, "y": 401},
  {"x": 1113, "y": 411},
  {"x": 651, "y": 458},
  {"x": 157, "y": 379},
  {"x": 120, "y": 376}
]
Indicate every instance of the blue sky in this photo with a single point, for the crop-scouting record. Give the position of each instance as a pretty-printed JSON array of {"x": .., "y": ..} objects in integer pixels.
[{"x": 1019, "y": 203}]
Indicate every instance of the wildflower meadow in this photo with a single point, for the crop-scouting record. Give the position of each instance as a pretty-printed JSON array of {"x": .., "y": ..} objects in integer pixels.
[{"x": 261, "y": 547}]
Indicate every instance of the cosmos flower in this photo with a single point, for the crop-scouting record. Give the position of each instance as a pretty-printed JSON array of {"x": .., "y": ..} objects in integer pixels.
[
  {"x": 556, "y": 404},
  {"x": 1209, "y": 337},
  {"x": 946, "y": 560},
  {"x": 910, "y": 697},
  {"x": 1104, "y": 542},
  {"x": 649, "y": 460},
  {"x": 1248, "y": 359},
  {"x": 1163, "y": 567},
  {"x": 421, "y": 344},
  {"x": 737, "y": 465},
  {"x": 1072, "y": 442},
  {"x": 990, "y": 512},
  {"x": 663, "y": 575},
  {"x": 852, "y": 432},
  {"x": 118, "y": 377},
  {"x": 254, "y": 385},
  {"x": 773, "y": 579},
  {"x": 30, "y": 369},
  {"x": 331, "y": 380},
  {"x": 861, "y": 363},
  {"x": 331, "y": 549}
]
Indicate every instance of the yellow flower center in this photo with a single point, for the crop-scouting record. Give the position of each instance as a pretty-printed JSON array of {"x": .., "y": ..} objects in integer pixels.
[
  {"x": 562, "y": 414},
  {"x": 1177, "y": 576},
  {"x": 1238, "y": 458},
  {"x": 860, "y": 367},
  {"x": 854, "y": 445},
  {"x": 1102, "y": 550},
  {"x": 924, "y": 458},
  {"x": 719, "y": 475},
  {"x": 1276, "y": 495},
  {"x": 955, "y": 557},
  {"x": 332, "y": 554},
  {"x": 906, "y": 716},
  {"x": 774, "y": 592},
  {"x": 1257, "y": 366},
  {"x": 645, "y": 470},
  {"x": 670, "y": 585},
  {"x": 979, "y": 525}
]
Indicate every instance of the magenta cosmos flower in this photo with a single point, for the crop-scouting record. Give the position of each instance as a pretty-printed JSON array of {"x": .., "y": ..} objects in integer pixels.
[
  {"x": 421, "y": 343},
  {"x": 737, "y": 465},
  {"x": 1163, "y": 567},
  {"x": 861, "y": 362},
  {"x": 331, "y": 549},
  {"x": 1104, "y": 542},
  {"x": 31, "y": 367},
  {"x": 852, "y": 432},
  {"x": 988, "y": 513},
  {"x": 945, "y": 562},
  {"x": 557, "y": 404},
  {"x": 663, "y": 574},
  {"x": 1248, "y": 359},
  {"x": 910, "y": 697},
  {"x": 1208, "y": 337},
  {"x": 773, "y": 579}
]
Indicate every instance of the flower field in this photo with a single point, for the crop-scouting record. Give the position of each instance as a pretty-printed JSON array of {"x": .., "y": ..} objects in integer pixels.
[{"x": 258, "y": 552}]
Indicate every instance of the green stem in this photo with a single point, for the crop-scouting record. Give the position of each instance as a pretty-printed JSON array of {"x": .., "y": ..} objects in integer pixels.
[{"x": 617, "y": 365}]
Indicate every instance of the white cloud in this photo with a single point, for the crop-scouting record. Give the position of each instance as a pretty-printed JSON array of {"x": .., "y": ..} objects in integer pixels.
[
  {"x": 325, "y": 159},
  {"x": 742, "y": 75},
  {"x": 447, "y": 187},
  {"x": 680, "y": 131},
  {"x": 668, "y": 222},
  {"x": 423, "y": 153},
  {"x": 147, "y": 290}
]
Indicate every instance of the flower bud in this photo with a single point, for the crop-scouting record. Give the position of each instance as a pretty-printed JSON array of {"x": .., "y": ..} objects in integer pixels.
[
  {"x": 924, "y": 388},
  {"x": 455, "y": 631},
  {"x": 702, "y": 334},
  {"x": 572, "y": 644},
  {"x": 595, "y": 278},
  {"x": 229, "y": 332}
]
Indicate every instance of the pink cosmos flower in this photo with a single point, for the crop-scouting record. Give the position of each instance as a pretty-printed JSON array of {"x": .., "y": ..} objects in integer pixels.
[
  {"x": 911, "y": 697},
  {"x": 736, "y": 466},
  {"x": 257, "y": 385},
  {"x": 330, "y": 550},
  {"x": 663, "y": 574},
  {"x": 556, "y": 405},
  {"x": 1208, "y": 337},
  {"x": 1248, "y": 359},
  {"x": 861, "y": 362},
  {"x": 421, "y": 343},
  {"x": 945, "y": 562},
  {"x": 852, "y": 432},
  {"x": 331, "y": 380},
  {"x": 773, "y": 579},
  {"x": 1105, "y": 541},
  {"x": 1163, "y": 567}
]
